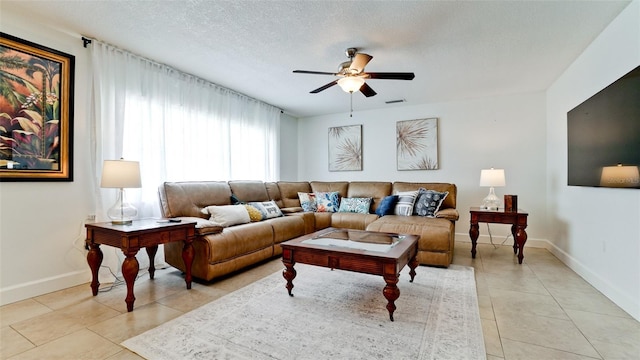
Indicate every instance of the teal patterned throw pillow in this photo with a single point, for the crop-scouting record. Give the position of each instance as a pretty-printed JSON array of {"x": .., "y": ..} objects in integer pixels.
[{"x": 355, "y": 205}]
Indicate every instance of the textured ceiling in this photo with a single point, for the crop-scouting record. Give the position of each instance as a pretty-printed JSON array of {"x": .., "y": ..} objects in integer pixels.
[{"x": 457, "y": 50}]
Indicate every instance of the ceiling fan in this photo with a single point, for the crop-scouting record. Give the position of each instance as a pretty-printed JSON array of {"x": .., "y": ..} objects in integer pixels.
[{"x": 352, "y": 75}]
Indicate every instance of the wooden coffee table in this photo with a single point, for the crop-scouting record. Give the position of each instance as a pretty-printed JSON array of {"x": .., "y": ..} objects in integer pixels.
[{"x": 366, "y": 252}]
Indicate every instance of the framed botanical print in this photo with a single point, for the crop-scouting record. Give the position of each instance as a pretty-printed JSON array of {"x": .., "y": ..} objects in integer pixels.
[
  {"x": 36, "y": 112},
  {"x": 345, "y": 148},
  {"x": 417, "y": 144}
]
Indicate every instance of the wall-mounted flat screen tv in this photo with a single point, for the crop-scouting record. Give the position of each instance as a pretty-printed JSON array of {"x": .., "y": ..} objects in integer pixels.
[{"x": 604, "y": 136}]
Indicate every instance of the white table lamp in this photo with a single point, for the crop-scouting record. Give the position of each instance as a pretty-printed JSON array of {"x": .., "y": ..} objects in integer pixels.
[
  {"x": 491, "y": 178},
  {"x": 121, "y": 174}
]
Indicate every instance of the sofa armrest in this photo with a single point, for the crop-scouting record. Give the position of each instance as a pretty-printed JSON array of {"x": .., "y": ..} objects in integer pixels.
[
  {"x": 203, "y": 226},
  {"x": 449, "y": 214}
]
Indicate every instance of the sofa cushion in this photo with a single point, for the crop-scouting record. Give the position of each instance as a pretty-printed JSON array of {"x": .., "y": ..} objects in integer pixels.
[
  {"x": 449, "y": 202},
  {"x": 330, "y": 186},
  {"x": 387, "y": 205},
  {"x": 327, "y": 201},
  {"x": 289, "y": 192},
  {"x": 307, "y": 201},
  {"x": 249, "y": 190},
  {"x": 376, "y": 190},
  {"x": 187, "y": 198},
  {"x": 428, "y": 202},
  {"x": 254, "y": 213},
  {"x": 355, "y": 205},
  {"x": 404, "y": 206},
  {"x": 269, "y": 209},
  {"x": 227, "y": 215}
]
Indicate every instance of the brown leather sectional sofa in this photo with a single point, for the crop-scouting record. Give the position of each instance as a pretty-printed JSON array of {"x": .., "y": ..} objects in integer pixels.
[{"x": 220, "y": 251}]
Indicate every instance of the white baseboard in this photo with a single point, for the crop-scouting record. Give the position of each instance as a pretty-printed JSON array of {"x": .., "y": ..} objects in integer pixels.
[
  {"x": 28, "y": 290},
  {"x": 624, "y": 301}
]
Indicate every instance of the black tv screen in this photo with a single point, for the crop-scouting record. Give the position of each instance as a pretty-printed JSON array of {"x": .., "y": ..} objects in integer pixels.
[{"x": 604, "y": 136}]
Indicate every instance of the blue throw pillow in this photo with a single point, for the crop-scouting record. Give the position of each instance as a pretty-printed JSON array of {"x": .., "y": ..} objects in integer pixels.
[{"x": 387, "y": 205}]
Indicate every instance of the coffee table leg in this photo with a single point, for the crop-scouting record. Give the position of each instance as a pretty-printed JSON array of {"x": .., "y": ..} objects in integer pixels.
[
  {"x": 289, "y": 273},
  {"x": 413, "y": 264},
  {"x": 151, "y": 251},
  {"x": 391, "y": 293},
  {"x": 187, "y": 256},
  {"x": 130, "y": 268},
  {"x": 94, "y": 258}
]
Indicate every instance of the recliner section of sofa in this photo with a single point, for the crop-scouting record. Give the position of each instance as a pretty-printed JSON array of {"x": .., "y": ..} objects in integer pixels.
[{"x": 220, "y": 251}]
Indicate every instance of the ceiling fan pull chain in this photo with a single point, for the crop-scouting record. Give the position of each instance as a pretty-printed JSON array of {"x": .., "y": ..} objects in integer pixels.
[{"x": 351, "y": 112}]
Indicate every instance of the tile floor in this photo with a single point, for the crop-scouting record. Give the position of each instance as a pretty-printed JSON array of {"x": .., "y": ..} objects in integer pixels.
[{"x": 538, "y": 310}]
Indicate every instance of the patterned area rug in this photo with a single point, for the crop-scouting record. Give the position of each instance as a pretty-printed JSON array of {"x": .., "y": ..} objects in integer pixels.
[{"x": 332, "y": 315}]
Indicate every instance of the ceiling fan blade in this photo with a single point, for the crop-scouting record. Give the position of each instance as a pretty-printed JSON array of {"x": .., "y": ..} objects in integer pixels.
[
  {"x": 313, "y": 72},
  {"x": 367, "y": 91},
  {"x": 325, "y": 87},
  {"x": 391, "y": 75},
  {"x": 359, "y": 62}
]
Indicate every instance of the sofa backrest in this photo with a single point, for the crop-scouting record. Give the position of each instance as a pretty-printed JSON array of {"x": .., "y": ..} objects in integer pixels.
[
  {"x": 449, "y": 201},
  {"x": 289, "y": 192},
  {"x": 188, "y": 198},
  {"x": 376, "y": 190},
  {"x": 330, "y": 186},
  {"x": 249, "y": 190}
]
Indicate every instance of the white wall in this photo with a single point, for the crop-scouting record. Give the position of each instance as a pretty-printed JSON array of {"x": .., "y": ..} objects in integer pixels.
[
  {"x": 596, "y": 231},
  {"x": 502, "y": 132},
  {"x": 41, "y": 229}
]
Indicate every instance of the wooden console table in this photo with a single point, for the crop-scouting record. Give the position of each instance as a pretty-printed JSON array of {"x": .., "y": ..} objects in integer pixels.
[
  {"x": 517, "y": 219},
  {"x": 148, "y": 234}
]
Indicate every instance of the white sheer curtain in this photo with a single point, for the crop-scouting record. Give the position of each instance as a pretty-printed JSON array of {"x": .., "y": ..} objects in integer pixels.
[{"x": 178, "y": 126}]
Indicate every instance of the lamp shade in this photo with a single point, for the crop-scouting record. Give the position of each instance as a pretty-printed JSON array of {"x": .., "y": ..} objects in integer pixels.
[
  {"x": 351, "y": 84},
  {"x": 120, "y": 174},
  {"x": 492, "y": 177},
  {"x": 620, "y": 176}
]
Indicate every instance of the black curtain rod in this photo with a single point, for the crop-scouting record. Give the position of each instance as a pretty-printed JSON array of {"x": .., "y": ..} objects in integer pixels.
[{"x": 85, "y": 41}]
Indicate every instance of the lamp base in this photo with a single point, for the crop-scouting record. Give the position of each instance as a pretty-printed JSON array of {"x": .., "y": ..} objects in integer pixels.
[
  {"x": 121, "y": 222},
  {"x": 491, "y": 202}
]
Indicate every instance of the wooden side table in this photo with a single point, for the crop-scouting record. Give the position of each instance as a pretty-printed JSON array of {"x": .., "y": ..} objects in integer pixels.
[
  {"x": 148, "y": 234},
  {"x": 517, "y": 219}
]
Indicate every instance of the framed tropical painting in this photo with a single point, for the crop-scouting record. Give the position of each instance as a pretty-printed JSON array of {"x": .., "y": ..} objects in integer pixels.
[
  {"x": 417, "y": 144},
  {"x": 36, "y": 112},
  {"x": 345, "y": 148}
]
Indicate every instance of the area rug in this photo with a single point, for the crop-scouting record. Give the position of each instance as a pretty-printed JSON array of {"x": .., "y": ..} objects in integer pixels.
[{"x": 333, "y": 315}]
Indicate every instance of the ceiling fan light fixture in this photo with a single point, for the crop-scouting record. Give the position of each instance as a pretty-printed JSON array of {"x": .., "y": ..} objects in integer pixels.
[{"x": 351, "y": 84}]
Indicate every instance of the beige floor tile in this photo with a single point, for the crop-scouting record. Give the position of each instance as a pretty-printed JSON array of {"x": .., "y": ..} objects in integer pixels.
[
  {"x": 146, "y": 291},
  {"x": 516, "y": 350},
  {"x": 82, "y": 344},
  {"x": 589, "y": 300},
  {"x": 130, "y": 324},
  {"x": 492, "y": 357},
  {"x": 613, "y": 335},
  {"x": 67, "y": 297},
  {"x": 517, "y": 280},
  {"x": 491, "y": 336},
  {"x": 21, "y": 310},
  {"x": 125, "y": 355},
  {"x": 544, "y": 331},
  {"x": 185, "y": 301},
  {"x": 50, "y": 326},
  {"x": 12, "y": 343},
  {"x": 513, "y": 303},
  {"x": 486, "y": 308}
]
